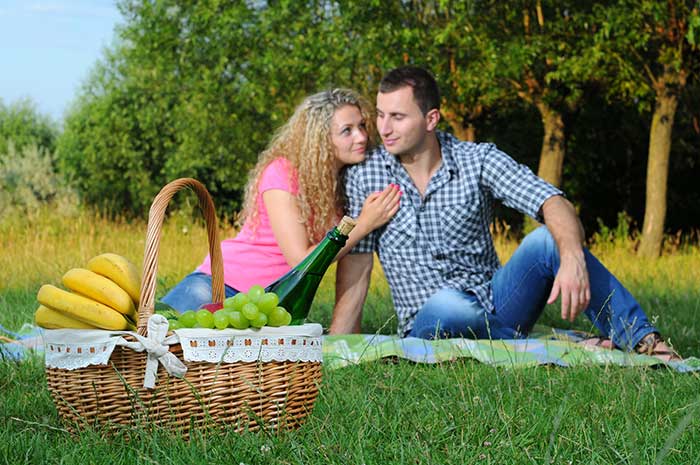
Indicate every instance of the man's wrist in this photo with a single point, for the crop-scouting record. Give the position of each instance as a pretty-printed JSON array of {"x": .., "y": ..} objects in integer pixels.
[{"x": 572, "y": 252}]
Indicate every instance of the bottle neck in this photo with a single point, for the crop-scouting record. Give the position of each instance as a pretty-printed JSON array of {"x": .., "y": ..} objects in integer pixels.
[{"x": 325, "y": 251}]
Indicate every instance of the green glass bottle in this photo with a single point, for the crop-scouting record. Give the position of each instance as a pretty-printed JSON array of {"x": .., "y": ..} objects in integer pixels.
[{"x": 297, "y": 288}]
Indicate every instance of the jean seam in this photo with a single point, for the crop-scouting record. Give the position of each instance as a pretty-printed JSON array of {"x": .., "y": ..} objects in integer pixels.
[{"x": 520, "y": 283}]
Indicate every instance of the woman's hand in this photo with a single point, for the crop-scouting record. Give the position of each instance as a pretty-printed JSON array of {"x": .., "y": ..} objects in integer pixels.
[{"x": 379, "y": 208}]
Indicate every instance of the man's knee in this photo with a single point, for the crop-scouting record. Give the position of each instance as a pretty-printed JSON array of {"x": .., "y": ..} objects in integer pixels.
[
  {"x": 449, "y": 313},
  {"x": 540, "y": 238}
]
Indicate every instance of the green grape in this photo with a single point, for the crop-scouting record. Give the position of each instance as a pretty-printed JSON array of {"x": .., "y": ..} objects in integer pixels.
[
  {"x": 268, "y": 302},
  {"x": 237, "y": 301},
  {"x": 279, "y": 317},
  {"x": 174, "y": 324},
  {"x": 259, "y": 321},
  {"x": 220, "y": 319},
  {"x": 228, "y": 303},
  {"x": 205, "y": 319},
  {"x": 287, "y": 319},
  {"x": 188, "y": 319},
  {"x": 237, "y": 320},
  {"x": 255, "y": 292},
  {"x": 250, "y": 310}
]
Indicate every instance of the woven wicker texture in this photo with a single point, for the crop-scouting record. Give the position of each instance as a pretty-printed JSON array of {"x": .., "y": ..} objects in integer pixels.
[{"x": 241, "y": 396}]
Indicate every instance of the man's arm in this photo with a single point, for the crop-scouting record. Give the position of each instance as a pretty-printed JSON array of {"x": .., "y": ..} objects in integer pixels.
[
  {"x": 571, "y": 280},
  {"x": 351, "y": 285}
]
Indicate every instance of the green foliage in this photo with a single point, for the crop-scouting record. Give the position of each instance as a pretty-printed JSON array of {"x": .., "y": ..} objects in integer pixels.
[
  {"x": 197, "y": 88},
  {"x": 28, "y": 179},
  {"x": 168, "y": 101},
  {"x": 621, "y": 236},
  {"x": 23, "y": 125},
  {"x": 648, "y": 47}
]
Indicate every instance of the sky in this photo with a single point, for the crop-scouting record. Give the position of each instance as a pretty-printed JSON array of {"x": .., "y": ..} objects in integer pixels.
[{"x": 48, "y": 47}]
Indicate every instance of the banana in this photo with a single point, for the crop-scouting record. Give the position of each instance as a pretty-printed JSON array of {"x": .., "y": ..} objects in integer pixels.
[
  {"x": 120, "y": 270},
  {"x": 82, "y": 308},
  {"x": 99, "y": 288},
  {"x": 53, "y": 319}
]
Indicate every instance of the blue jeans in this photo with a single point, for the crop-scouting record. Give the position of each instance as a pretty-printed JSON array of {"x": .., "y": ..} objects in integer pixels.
[
  {"x": 520, "y": 291},
  {"x": 193, "y": 292}
]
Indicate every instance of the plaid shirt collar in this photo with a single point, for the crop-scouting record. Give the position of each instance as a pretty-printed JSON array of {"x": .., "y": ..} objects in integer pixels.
[{"x": 448, "y": 168}]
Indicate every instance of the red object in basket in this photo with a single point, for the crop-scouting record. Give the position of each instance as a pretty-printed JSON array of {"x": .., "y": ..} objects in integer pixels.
[{"x": 213, "y": 306}]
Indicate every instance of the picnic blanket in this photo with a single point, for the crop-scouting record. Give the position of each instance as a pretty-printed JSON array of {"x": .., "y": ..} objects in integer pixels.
[{"x": 545, "y": 346}]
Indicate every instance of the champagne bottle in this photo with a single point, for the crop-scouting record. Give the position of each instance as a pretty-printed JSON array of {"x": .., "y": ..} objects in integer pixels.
[{"x": 296, "y": 289}]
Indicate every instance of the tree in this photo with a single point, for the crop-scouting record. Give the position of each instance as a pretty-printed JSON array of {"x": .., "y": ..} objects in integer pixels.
[
  {"x": 168, "y": 100},
  {"x": 193, "y": 89},
  {"x": 651, "y": 51},
  {"x": 440, "y": 36},
  {"x": 544, "y": 56},
  {"x": 23, "y": 125}
]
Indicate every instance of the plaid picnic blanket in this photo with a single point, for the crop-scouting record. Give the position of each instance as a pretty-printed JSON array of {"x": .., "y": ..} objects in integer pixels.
[
  {"x": 545, "y": 346},
  {"x": 15, "y": 345}
]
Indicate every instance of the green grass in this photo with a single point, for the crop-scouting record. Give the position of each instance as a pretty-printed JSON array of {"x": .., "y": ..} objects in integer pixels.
[{"x": 376, "y": 413}]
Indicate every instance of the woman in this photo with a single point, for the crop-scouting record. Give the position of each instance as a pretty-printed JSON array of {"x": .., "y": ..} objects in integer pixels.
[{"x": 294, "y": 196}]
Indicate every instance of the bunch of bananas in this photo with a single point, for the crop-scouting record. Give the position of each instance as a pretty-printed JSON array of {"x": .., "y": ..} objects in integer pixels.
[{"x": 104, "y": 295}]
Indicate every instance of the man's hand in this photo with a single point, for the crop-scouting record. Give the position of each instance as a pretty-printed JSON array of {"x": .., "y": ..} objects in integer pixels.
[{"x": 572, "y": 283}]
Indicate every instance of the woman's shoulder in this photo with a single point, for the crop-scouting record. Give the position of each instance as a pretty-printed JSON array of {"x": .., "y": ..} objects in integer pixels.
[
  {"x": 279, "y": 165},
  {"x": 279, "y": 173}
]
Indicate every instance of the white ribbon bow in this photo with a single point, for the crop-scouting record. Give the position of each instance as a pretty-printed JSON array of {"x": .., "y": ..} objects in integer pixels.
[{"x": 156, "y": 347}]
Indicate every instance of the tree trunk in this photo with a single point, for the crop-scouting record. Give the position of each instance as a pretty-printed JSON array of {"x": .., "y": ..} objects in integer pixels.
[
  {"x": 467, "y": 133},
  {"x": 553, "y": 145},
  {"x": 657, "y": 170},
  {"x": 459, "y": 130}
]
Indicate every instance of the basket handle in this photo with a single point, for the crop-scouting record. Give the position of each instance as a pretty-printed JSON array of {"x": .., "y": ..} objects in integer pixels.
[{"x": 150, "y": 256}]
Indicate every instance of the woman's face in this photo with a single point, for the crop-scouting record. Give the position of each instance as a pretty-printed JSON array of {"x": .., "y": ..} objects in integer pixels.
[{"x": 348, "y": 135}]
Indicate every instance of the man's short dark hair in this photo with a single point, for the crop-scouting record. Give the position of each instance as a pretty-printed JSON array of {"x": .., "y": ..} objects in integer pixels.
[{"x": 425, "y": 89}]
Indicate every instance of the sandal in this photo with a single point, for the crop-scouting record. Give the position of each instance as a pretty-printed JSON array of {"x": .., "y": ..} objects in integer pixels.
[
  {"x": 654, "y": 346},
  {"x": 601, "y": 342}
]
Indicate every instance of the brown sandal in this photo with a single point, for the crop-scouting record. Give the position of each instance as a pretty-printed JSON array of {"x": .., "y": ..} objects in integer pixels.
[{"x": 654, "y": 346}]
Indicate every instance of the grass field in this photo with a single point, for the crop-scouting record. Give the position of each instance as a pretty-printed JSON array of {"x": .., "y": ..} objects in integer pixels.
[{"x": 376, "y": 413}]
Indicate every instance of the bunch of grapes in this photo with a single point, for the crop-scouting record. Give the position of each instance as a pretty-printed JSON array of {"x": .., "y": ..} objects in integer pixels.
[{"x": 255, "y": 308}]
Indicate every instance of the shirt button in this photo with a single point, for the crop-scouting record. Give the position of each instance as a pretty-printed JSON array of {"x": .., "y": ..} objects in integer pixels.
[{"x": 439, "y": 256}]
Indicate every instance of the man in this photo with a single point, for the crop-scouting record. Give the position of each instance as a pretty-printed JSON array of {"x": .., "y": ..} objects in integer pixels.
[{"x": 438, "y": 254}]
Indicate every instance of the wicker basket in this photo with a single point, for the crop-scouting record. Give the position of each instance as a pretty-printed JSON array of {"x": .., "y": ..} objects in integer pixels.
[{"x": 238, "y": 395}]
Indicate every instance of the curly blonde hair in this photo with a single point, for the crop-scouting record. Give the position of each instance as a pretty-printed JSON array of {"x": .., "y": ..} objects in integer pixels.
[{"x": 305, "y": 141}]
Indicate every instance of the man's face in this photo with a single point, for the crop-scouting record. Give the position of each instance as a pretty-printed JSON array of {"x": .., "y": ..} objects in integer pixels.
[{"x": 400, "y": 122}]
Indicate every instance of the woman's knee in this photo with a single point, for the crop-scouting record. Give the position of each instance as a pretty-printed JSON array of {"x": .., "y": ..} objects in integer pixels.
[{"x": 190, "y": 293}]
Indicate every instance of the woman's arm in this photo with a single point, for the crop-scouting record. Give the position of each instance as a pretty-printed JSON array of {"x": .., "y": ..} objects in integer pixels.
[{"x": 283, "y": 211}]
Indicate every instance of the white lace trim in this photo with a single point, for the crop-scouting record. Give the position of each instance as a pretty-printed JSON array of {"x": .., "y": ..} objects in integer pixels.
[
  {"x": 217, "y": 348},
  {"x": 72, "y": 349}
]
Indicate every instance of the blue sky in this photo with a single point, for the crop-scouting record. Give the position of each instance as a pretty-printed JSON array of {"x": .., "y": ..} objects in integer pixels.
[{"x": 47, "y": 48}]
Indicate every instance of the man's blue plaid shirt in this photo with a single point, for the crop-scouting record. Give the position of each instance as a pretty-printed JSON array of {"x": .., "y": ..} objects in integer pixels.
[{"x": 442, "y": 240}]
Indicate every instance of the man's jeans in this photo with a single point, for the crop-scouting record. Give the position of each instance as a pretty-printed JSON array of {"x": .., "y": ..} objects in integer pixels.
[
  {"x": 193, "y": 292},
  {"x": 520, "y": 291}
]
